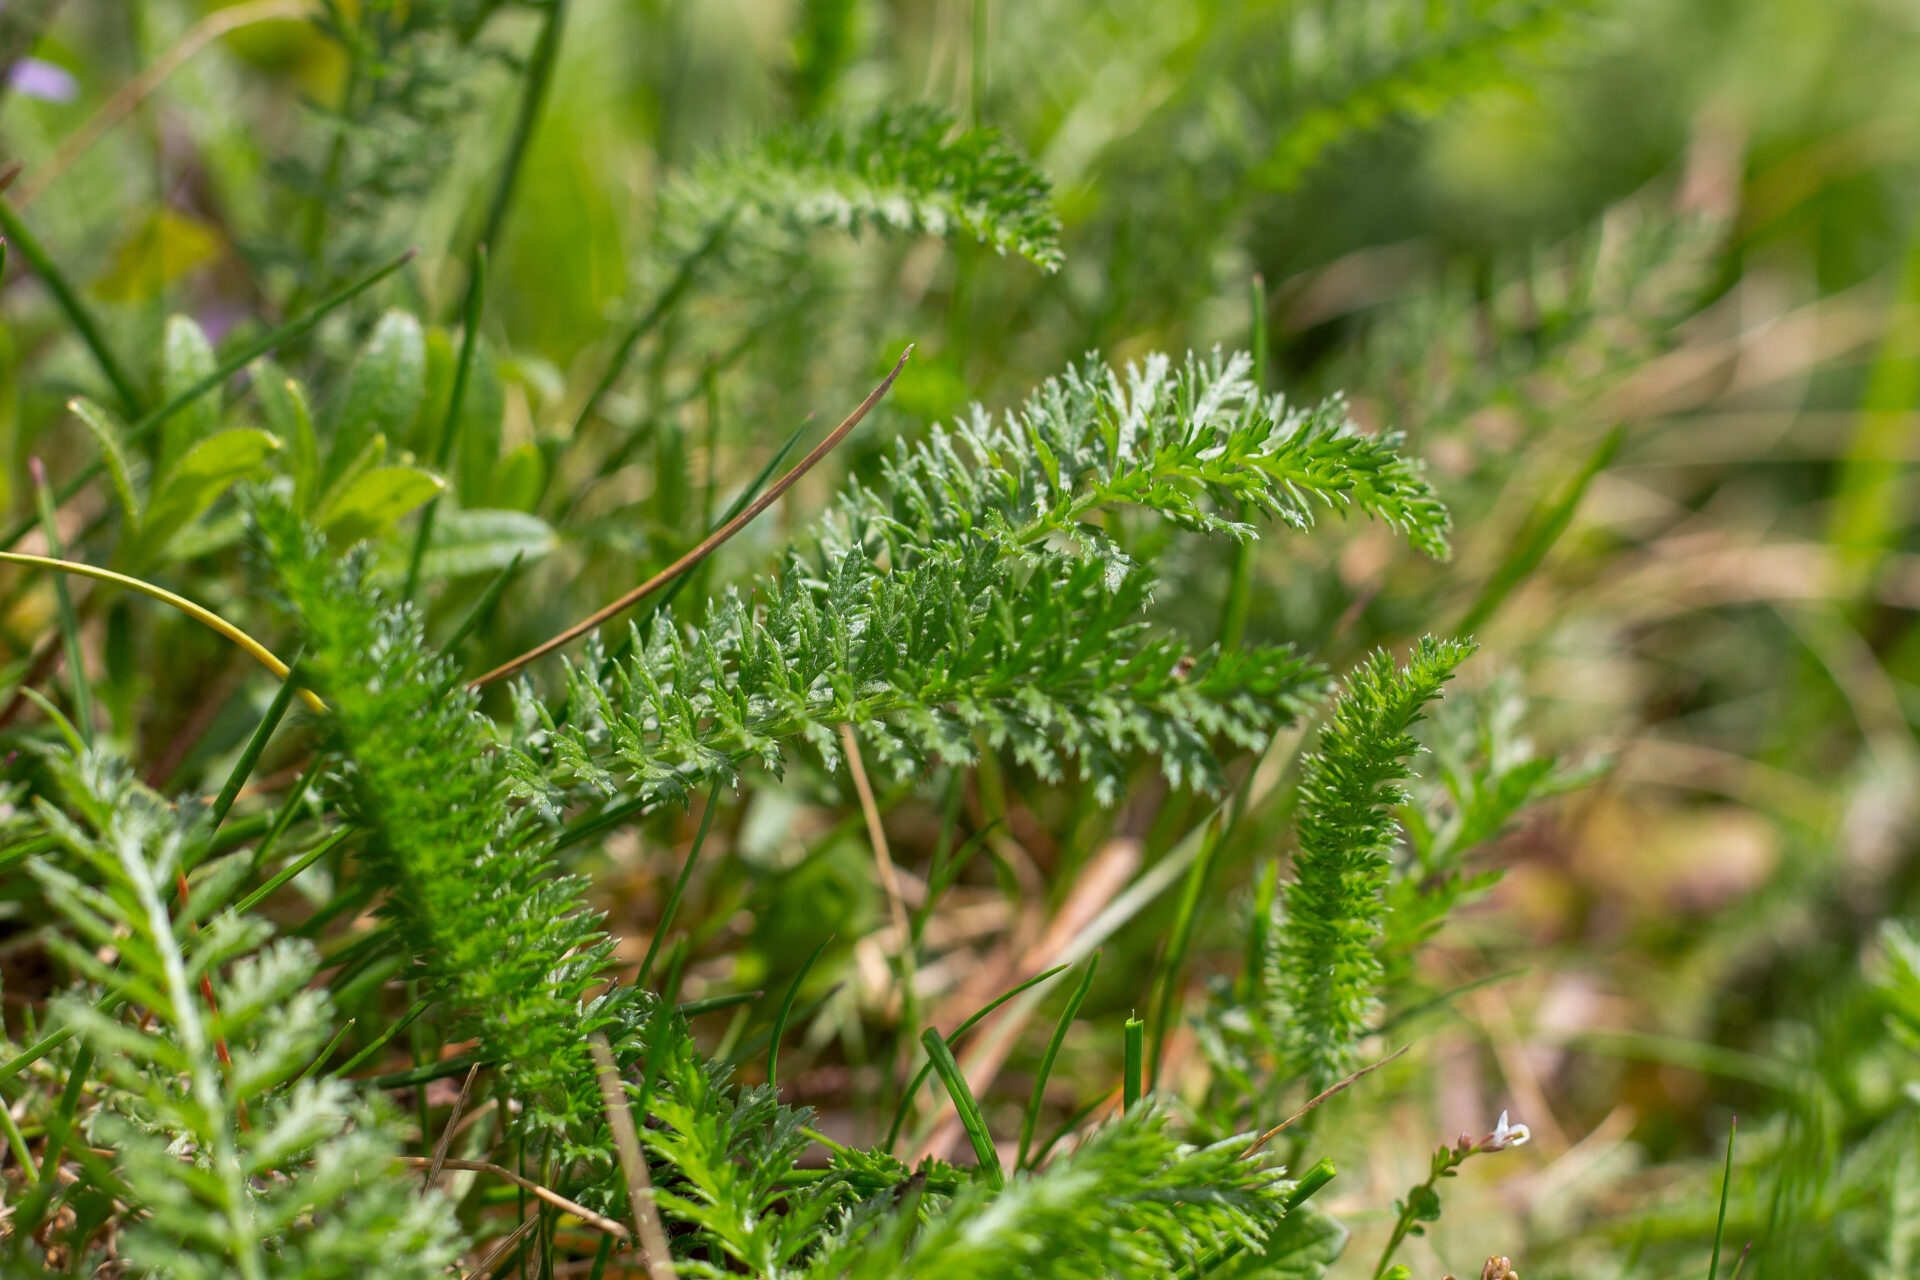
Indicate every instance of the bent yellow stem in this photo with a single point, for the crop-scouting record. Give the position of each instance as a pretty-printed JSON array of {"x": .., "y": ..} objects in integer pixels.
[{"x": 263, "y": 655}]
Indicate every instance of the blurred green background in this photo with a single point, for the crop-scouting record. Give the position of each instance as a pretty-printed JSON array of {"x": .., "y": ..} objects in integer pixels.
[{"x": 1638, "y": 279}]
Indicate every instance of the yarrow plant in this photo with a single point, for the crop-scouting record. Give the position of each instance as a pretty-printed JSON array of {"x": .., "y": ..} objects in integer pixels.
[{"x": 395, "y": 888}]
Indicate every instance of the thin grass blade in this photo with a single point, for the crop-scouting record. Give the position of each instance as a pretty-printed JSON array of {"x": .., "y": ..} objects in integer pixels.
[
  {"x": 953, "y": 1041},
  {"x": 786, "y": 1008},
  {"x": 1058, "y": 1038},
  {"x": 963, "y": 1102}
]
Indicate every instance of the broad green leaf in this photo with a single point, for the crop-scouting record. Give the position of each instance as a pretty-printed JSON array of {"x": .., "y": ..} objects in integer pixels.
[
  {"x": 484, "y": 541},
  {"x": 113, "y": 454},
  {"x": 384, "y": 390},
  {"x": 199, "y": 478},
  {"x": 186, "y": 360},
  {"x": 372, "y": 455},
  {"x": 520, "y": 479},
  {"x": 375, "y": 499},
  {"x": 283, "y": 402}
]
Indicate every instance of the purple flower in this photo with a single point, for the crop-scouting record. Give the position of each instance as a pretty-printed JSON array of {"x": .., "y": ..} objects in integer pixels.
[{"x": 34, "y": 78}]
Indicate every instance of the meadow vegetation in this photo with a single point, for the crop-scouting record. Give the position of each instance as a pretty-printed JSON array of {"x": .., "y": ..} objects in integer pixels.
[{"x": 863, "y": 638}]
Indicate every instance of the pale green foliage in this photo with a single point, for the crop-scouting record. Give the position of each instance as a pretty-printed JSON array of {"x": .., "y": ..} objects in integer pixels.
[
  {"x": 723, "y": 1152},
  {"x": 1357, "y": 65},
  {"x": 987, "y": 593},
  {"x": 1044, "y": 660},
  {"x": 908, "y": 171},
  {"x": 1194, "y": 442},
  {"x": 1552, "y": 334},
  {"x": 946, "y": 605},
  {"x": 411, "y": 73},
  {"x": 235, "y": 1169},
  {"x": 1329, "y": 972},
  {"x": 1133, "y": 1200}
]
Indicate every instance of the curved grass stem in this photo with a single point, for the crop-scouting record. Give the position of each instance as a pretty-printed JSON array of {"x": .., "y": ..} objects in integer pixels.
[
  {"x": 259, "y": 652},
  {"x": 708, "y": 544}
]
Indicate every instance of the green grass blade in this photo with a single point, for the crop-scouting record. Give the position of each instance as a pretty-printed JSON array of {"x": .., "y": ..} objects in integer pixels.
[
  {"x": 1174, "y": 965},
  {"x": 243, "y": 768},
  {"x": 49, "y": 1042},
  {"x": 1726, "y": 1185},
  {"x": 661, "y": 307},
  {"x": 713, "y": 1004},
  {"x": 1446, "y": 998},
  {"x": 946, "y": 868},
  {"x": 1131, "y": 1079},
  {"x": 963, "y": 1102},
  {"x": 59, "y": 1125},
  {"x": 1059, "y": 1037},
  {"x": 668, "y": 912},
  {"x": 601, "y": 1253},
  {"x": 441, "y": 1070},
  {"x": 1259, "y": 932},
  {"x": 1868, "y": 508},
  {"x": 380, "y": 1041},
  {"x": 17, "y": 1141},
  {"x": 533, "y": 96},
  {"x": 1542, "y": 529},
  {"x": 1067, "y": 1126},
  {"x": 477, "y": 615},
  {"x": 752, "y": 1045},
  {"x": 913, "y": 1090},
  {"x": 57, "y": 718},
  {"x": 358, "y": 893},
  {"x": 289, "y": 809},
  {"x": 1311, "y": 1182},
  {"x": 291, "y": 870},
  {"x": 786, "y": 1008},
  {"x": 676, "y": 970},
  {"x": 679, "y": 584}
]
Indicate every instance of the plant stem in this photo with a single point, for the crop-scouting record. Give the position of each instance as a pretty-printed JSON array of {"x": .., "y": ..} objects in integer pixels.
[
  {"x": 1726, "y": 1185},
  {"x": 1130, "y": 1080},
  {"x": 533, "y": 96},
  {"x": 1422, "y": 1203}
]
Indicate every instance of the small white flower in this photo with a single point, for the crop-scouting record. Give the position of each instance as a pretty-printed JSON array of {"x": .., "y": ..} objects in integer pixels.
[{"x": 1506, "y": 1135}]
